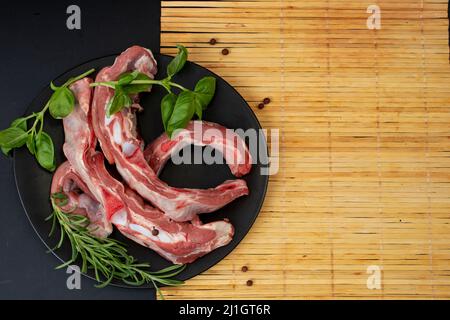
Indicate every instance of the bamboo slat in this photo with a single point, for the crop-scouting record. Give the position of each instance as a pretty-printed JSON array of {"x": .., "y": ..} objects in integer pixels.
[{"x": 364, "y": 116}]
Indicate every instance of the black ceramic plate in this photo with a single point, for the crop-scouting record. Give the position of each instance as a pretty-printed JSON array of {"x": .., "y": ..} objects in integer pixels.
[{"x": 228, "y": 108}]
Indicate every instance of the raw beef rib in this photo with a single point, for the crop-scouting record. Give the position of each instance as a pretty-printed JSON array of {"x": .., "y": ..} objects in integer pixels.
[
  {"x": 96, "y": 194},
  {"x": 201, "y": 133},
  {"x": 80, "y": 200},
  {"x": 122, "y": 145}
]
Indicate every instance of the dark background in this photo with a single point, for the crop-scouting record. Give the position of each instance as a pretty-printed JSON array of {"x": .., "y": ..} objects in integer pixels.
[{"x": 36, "y": 48}]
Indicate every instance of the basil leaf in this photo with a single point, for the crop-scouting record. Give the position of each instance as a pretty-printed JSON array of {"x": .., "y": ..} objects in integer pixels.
[
  {"x": 183, "y": 111},
  {"x": 137, "y": 88},
  {"x": 53, "y": 87},
  {"x": 198, "y": 109},
  {"x": 127, "y": 77},
  {"x": 31, "y": 143},
  {"x": 20, "y": 123},
  {"x": 178, "y": 62},
  {"x": 5, "y": 150},
  {"x": 61, "y": 103},
  {"x": 167, "y": 106},
  {"x": 204, "y": 90},
  {"x": 13, "y": 137},
  {"x": 45, "y": 152},
  {"x": 119, "y": 101}
]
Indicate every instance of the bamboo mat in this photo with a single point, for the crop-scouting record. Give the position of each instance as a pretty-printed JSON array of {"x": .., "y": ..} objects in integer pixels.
[{"x": 364, "y": 116}]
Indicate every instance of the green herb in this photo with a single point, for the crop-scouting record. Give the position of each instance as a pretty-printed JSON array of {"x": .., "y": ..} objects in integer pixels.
[
  {"x": 183, "y": 111},
  {"x": 45, "y": 151},
  {"x": 133, "y": 88},
  {"x": 119, "y": 101},
  {"x": 167, "y": 106},
  {"x": 178, "y": 62},
  {"x": 61, "y": 103},
  {"x": 176, "y": 110},
  {"x": 126, "y": 78},
  {"x": 204, "y": 91},
  {"x": 38, "y": 142},
  {"x": 13, "y": 137},
  {"x": 20, "y": 123},
  {"x": 108, "y": 258}
]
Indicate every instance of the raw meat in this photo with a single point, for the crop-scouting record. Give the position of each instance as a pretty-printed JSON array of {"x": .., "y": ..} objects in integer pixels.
[
  {"x": 80, "y": 201},
  {"x": 79, "y": 147},
  {"x": 96, "y": 194},
  {"x": 178, "y": 242},
  {"x": 122, "y": 145},
  {"x": 201, "y": 133}
]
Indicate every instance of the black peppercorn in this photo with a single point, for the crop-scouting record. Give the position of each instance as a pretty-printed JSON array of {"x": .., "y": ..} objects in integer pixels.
[
  {"x": 261, "y": 106},
  {"x": 155, "y": 232},
  {"x": 212, "y": 41},
  {"x": 244, "y": 269},
  {"x": 249, "y": 283},
  {"x": 266, "y": 100},
  {"x": 225, "y": 51}
]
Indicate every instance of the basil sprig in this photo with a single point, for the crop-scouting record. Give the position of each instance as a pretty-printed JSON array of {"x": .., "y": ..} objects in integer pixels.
[
  {"x": 176, "y": 109},
  {"x": 124, "y": 88},
  {"x": 187, "y": 104},
  {"x": 38, "y": 142}
]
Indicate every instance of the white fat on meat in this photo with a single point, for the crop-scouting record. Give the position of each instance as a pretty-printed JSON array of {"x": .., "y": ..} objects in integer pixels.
[
  {"x": 128, "y": 148},
  {"x": 177, "y": 242},
  {"x": 178, "y": 203},
  {"x": 120, "y": 218},
  {"x": 201, "y": 133},
  {"x": 117, "y": 133},
  {"x": 105, "y": 199}
]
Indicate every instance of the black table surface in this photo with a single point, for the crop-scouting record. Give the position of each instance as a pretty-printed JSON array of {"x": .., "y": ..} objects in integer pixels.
[{"x": 37, "y": 46}]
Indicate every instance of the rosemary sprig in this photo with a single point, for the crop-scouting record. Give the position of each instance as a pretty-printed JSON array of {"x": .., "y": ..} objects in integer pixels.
[{"x": 107, "y": 257}]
